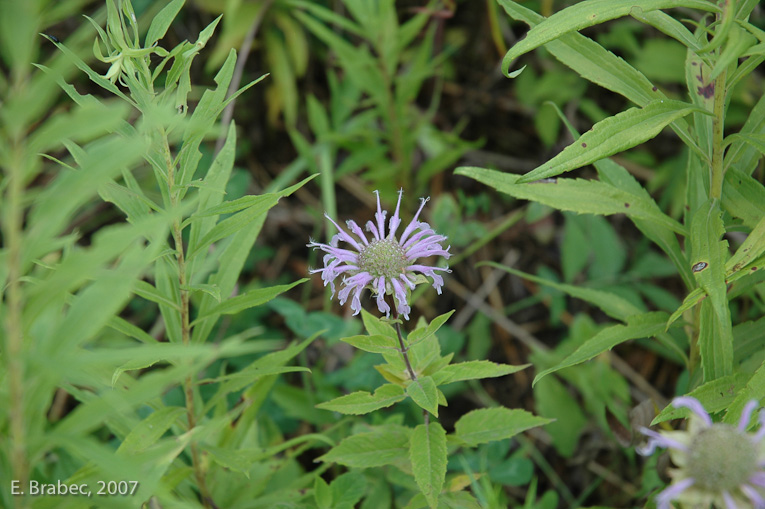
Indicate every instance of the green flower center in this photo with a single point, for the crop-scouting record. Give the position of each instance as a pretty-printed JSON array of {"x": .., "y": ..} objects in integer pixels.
[
  {"x": 384, "y": 258},
  {"x": 721, "y": 458}
]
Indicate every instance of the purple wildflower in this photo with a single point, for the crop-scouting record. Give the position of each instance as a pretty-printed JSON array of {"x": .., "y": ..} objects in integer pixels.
[
  {"x": 384, "y": 263},
  {"x": 717, "y": 463}
]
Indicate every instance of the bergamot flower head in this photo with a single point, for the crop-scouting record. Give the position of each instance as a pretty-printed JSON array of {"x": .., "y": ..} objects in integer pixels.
[
  {"x": 716, "y": 463},
  {"x": 384, "y": 263}
]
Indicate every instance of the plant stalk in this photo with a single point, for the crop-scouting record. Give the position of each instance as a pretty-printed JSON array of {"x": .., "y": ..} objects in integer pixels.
[
  {"x": 718, "y": 121},
  {"x": 188, "y": 383},
  {"x": 14, "y": 345}
]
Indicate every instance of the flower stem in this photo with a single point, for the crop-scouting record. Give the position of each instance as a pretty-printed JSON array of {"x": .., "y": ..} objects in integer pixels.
[
  {"x": 188, "y": 383},
  {"x": 404, "y": 351},
  {"x": 405, "y": 354}
]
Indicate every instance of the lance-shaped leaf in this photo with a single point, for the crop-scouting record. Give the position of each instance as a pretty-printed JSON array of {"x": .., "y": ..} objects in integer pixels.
[
  {"x": 576, "y": 195},
  {"x": 248, "y": 300},
  {"x": 638, "y": 326},
  {"x": 363, "y": 402},
  {"x": 473, "y": 370},
  {"x": 491, "y": 424},
  {"x": 588, "y": 13},
  {"x": 613, "y": 135},
  {"x": 427, "y": 452}
]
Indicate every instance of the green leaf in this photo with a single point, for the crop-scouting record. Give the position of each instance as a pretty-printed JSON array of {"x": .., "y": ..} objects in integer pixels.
[
  {"x": 149, "y": 292},
  {"x": 708, "y": 262},
  {"x": 374, "y": 343},
  {"x": 362, "y": 402},
  {"x": 754, "y": 390},
  {"x": 472, "y": 370},
  {"x": 588, "y": 13},
  {"x": 377, "y": 327},
  {"x": 612, "y": 135},
  {"x": 423, "y": 333},
  {"x": 162, "y": 22},
  {"x": 593, "y": 62},
  {"x": 750, "y": 250},
  {"x": 715, "y": 396},
  {"x": 576, "y": 195},
  {"x": 322, "y": 494},
  {"x": 668, "y": 25},
  {"x": 427, "y": 452},
  {"x": 247, "y": 300},
  {"x": 149, "y": 430},
  {"x": 638, "y": 326},
  {"x": 231, "y": 260},
  {"x": 743, "y": 197},
  {"x": 611, "y": 304},
  {"x": 689, "y": 302},
  {"x": 492, "y": 424},
  {"x": 385, "y": 445},
  {"x": 423, "y": 391},
  {"x": 233, "y": 224}
]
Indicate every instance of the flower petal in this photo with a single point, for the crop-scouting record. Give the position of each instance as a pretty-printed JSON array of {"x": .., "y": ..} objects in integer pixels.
[
  {"x": 657, "y": 440},
  {"x": 400, "y": 294},
  {"x": 342, "y": 234},
  {"x": 395, "y": 221},
  {"x": 746, "y": 415},
  {"x": 752, "y": 494},
  {"x": 383, "y": 306},
  {"x": 695, "y": 406},
  {"x": 414, "y": 224},
  {"x": 380, "y": 217},
  {"x": 665, "y": 497}
]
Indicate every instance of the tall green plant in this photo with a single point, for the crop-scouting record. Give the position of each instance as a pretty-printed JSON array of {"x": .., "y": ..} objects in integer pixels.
[
  {"x": 181, "y": 248},
  {"x": 722, "y": 196}
]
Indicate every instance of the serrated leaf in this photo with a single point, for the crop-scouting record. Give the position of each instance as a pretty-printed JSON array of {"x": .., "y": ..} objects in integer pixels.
[
  {"x": 374, "y": 343},
  {"x": 386, "y": 445},
  {"x": 423, "y": 333},
  {"x": 247, "y": 300},
  {"x": 423, "y": 391},
  {"x": 588, "y": 13},
  {"x": 427, "y": 452},
  {"x": 472, "y": 370},
  {"x": 638, "y": 326},
  {"x": 363, "y": 402},
  {"x": 715, "y": 396},
  {"x": 576, "y": 195},
  {"x": 376, "y": 326},
  {"x": 492, "y": 424},
  {"x": 613, "y": 135}
]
